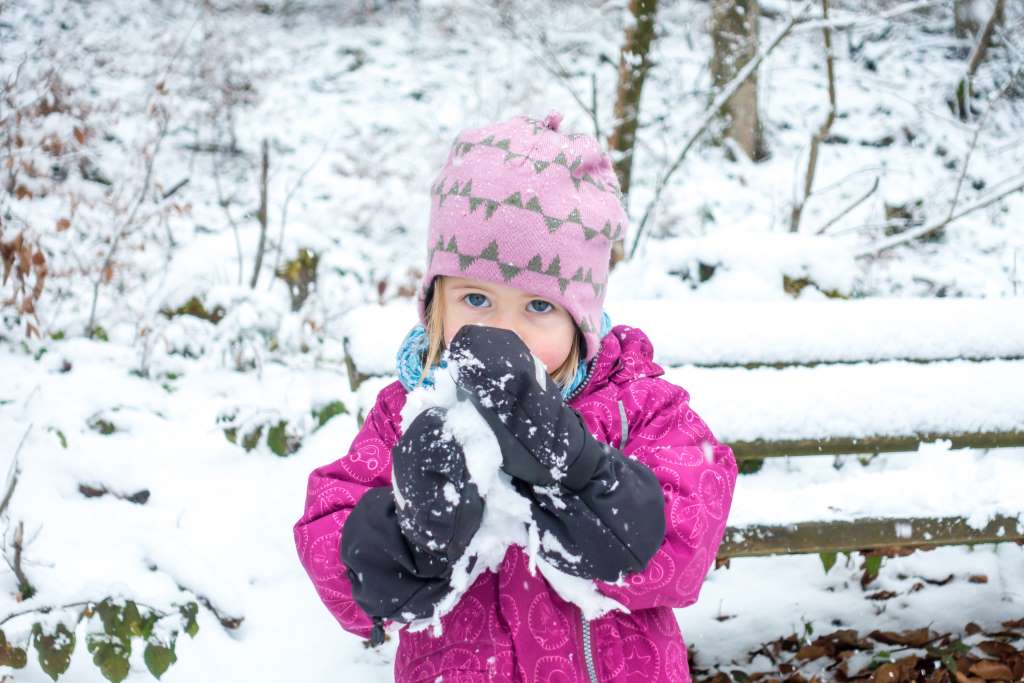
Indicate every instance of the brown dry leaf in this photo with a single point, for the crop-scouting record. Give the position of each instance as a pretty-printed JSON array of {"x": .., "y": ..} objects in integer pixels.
[
  {"x": 1018, "y": 668},
  {"x": 887, "y": 673},
  {"x": 811, "y": 652},
  {"x": 63, "y": 224},
  {"x": 108, "y": 273},
  {"x": 977, "y": 578},
  {"x": 972, "y": 628},
  {"x": 961, "y": 677},
  {"x": 80, "y": 135},
  {"x": 992, "y": 671},
  {"x": 963, "y": 663},
  {"x": 913, "y": 638},
  {"x": 845, "y": 640},
  {"x": 994, "y": 648},
  {"x": 907, "y": 664},
  {"x": 882, "y": 595},
  {"x": 1019, "y": 623},
  {"x": 22, "y": 192}
]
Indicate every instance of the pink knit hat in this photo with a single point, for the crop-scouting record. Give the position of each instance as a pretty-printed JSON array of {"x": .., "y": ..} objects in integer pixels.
[{"x": 520, "y": 204}]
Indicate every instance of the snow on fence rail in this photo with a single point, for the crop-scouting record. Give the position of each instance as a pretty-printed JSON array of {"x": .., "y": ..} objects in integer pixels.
[
  {"x": 773, "y": 333},
  {"x": 755, "y": 333},
  {"x": 888, "y": 406},
  {"x": 823, "y": 378}
]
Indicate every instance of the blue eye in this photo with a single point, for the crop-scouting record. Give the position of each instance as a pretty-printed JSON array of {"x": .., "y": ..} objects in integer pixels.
[
  {"x": 539, "y": 306},
  {"x": 476, "y": 300}
]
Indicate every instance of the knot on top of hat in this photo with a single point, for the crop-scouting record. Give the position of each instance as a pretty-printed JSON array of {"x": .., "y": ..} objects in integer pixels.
[
  {"x": 552, "y": 120},
  {"x": 592, "y": 162}
]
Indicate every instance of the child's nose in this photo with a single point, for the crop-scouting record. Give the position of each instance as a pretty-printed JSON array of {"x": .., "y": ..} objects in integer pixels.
[{"x": 506, "y": 321}]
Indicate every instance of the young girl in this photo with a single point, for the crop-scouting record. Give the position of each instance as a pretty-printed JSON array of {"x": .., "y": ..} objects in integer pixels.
[{"x": 627, "y": 480}]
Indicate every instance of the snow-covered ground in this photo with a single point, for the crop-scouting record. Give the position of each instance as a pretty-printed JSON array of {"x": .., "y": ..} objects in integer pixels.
[{"x": 359, "y": 115}]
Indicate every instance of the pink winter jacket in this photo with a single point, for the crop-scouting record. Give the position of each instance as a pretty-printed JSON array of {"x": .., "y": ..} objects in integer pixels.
[{"x": 511, "y": 626}]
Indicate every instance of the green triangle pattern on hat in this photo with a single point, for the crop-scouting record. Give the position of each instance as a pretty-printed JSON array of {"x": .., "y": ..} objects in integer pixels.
[
  {"x": 509, "y": 270},
  {"x": 515, "y": 199}
]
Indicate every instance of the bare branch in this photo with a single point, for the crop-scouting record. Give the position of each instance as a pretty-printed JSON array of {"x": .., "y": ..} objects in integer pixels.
[
  {"x": 14, "y": 472},
  {"x": 225, "y": 204},
  {"x": 550, "y": 62},
  {"x": 264, "y": 167},
  {"x": 25, "y": 587},
  {"x": 848, "y": 209},
  {"x": 709, "y": 115},
  {"x": 865, "y": 21},
  {"x": 284, "y": 208},
  {"x": 977, "y": 132},
  {"x": 46, "y": 609},
  {"x": 127, "y": 224},
  {"x": 926, "y": 230}
]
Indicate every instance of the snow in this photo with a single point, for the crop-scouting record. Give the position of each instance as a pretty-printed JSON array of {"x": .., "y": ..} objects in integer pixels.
[
  {"x": 359, "y": 109},
  {"x": 851, "y": 399},
  {"x": 973, "y": 484},
  {"x": 507, "y": 518},
  {"x": 450, "y": 494},
  {"x": 807, "y": 331},
  {"x": 391, "y": 322},
  {"x": 857, "y": 400},
  {"x": 773, "y": 331}
]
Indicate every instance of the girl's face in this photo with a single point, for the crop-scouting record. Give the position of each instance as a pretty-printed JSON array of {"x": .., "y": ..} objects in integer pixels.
[{"x": 546, "y": 328}]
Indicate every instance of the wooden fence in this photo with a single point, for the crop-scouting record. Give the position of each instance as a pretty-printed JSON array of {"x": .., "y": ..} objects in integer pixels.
[{"x": 924, "y": 336}]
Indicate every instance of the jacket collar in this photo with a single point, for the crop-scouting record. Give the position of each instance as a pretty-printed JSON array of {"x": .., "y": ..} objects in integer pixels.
[{"x": 626, "y": 354}]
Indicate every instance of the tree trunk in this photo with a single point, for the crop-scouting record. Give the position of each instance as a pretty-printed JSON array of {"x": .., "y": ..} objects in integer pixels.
[
  {"x": 734, "y": 38},
  {"x": 822, "y": 132},
  {"x": 634, "y": 61}
]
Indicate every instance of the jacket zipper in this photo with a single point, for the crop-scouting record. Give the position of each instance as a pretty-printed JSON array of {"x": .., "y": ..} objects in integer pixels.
[
  {"x": 588, "y": 653},
  {"x": 586, "y": 380}
]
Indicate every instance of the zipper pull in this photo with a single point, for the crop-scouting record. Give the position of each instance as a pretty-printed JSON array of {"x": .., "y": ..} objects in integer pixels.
[{"x": 377, "y": 636}]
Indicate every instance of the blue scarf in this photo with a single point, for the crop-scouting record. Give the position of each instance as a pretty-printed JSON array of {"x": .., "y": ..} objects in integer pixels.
[{"x": 414, "y": 348}]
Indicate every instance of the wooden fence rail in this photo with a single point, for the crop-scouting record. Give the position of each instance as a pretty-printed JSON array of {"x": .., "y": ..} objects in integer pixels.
[{"x": 797, "y": 339}]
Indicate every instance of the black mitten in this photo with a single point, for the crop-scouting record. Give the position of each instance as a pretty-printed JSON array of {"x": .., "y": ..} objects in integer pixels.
[
  {"x": 542, "y": 440},
  {"x": 438, "y": 507},
  {"x": 611, "y": 521},
  {"x": 400, "y": 543}
]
